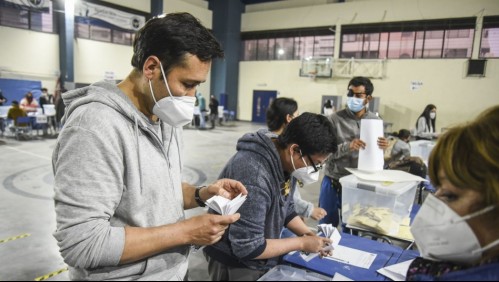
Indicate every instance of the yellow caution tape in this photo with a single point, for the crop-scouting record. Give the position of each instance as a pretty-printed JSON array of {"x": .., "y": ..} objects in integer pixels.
[
  {"x": 50, "y": 275},
  {"x": 15, "y": 238}
]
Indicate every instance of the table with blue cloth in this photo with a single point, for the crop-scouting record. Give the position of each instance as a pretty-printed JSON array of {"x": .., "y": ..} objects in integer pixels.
[{"x": 386, "y": 255}]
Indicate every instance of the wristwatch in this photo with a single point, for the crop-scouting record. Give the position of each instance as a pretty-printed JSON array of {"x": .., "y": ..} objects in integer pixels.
[{"x": 198, "y": 198}]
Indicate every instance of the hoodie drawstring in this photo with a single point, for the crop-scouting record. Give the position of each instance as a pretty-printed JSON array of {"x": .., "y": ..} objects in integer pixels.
[{"x": 138, "y": 150}]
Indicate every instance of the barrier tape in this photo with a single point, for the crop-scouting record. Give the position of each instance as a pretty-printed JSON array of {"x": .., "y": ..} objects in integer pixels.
[
  {"x": 50, "y": 275},
  {"x": 15, "y": 238}
]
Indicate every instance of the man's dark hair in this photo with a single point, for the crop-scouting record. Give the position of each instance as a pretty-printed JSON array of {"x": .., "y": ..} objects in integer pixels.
[
  {"x": 313, "y": 133},
  {"x": 15, "y": 102},
  {"x": 170, "y": 37},
  {"x": 362, "y": 81},
  {"x": 278, "y": 111}
]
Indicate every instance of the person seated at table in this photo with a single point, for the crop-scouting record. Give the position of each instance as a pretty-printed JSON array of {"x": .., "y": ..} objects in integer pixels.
[
  {"x": 425, "y": 125},
  {"x": 265, "y": 165},
  {"x": 28, "y": 103},
  {"x": 15, "y": 111},
  {"x": 398, "y": 155},
  {"x": 457, "y": 230}
]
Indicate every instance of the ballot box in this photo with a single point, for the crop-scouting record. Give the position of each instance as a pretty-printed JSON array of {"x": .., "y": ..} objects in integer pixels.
[{"x": 377, "y": 206}]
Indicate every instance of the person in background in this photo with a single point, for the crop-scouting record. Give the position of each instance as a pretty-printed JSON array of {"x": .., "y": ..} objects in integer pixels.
[
  {"x": 346, "y": 124},
  {"x": 202, "y": 110},
  {"x": 118, "y": 162},
  {"x": 15, "y": 111},
  {"x": 398, "y": 147},
  {"x": 59, "y": 107},
  {"x": 265, "y": 165},
  {"x": 279, "y": 114},
  {"x": 3, "y": 100},
  {"x": 457, "y": 229},
  {"x": 28, "y": 103},
  {"x": 45, "y": 99},
  {"x": 425, "y": 126},
  {"x": 328, "y": 108},
  {"x": 213, "y": 111},
  {"x": 398, "y": 155}
]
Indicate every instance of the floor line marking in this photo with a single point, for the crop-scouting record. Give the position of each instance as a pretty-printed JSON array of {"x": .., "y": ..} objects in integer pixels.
[
  {"x": 50, "y": 275},
  {"x": 29, "y": 153},
  {"x": 15, "y": 238}
]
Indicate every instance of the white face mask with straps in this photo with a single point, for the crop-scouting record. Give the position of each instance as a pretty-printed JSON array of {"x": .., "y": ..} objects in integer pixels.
[
  {"x": 440, "y": 233},
  {"x": 175, "y": 111},
  {"x": 306, "y": 175}
]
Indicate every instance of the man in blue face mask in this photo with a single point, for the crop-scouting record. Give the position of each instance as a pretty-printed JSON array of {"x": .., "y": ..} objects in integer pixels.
[{"x": 346, "y": 123}]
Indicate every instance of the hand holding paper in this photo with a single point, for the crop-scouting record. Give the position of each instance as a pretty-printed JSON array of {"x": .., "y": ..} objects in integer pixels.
[
  {"x": 225, "y": 206},
  {"x": 330, "y": 232}
]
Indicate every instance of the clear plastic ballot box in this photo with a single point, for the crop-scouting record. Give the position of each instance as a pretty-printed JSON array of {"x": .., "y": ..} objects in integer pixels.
[{"x": 376, "y": 205}]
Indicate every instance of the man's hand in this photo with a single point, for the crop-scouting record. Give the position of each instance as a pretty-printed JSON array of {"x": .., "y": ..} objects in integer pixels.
[
  {"x": 207, "y": 229},
  {"x": 382, "y": 143},
  {"x": 314, "y": 244},
  {"x": 357, "y": 144},
  {"x": 227, "y": 188}
]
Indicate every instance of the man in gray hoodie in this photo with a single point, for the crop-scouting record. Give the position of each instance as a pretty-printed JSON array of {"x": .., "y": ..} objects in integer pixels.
[
  {"x": 265, "y": 164},
  {"x": 119, "y": 198}
]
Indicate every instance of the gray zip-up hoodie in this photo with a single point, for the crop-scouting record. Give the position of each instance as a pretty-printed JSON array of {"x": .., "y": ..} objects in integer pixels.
[
  {"x": 264, "y": 213},
  {"x": 112, "y": 169}
]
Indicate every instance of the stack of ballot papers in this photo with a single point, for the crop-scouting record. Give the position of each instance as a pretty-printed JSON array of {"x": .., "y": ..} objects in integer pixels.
[
  {"x": 329, "y": 232},
  {"x": 396, "y": 272},
  {"x": 225, "y": 206}
]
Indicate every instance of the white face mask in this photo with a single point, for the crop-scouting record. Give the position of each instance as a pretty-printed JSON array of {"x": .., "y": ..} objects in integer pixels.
[
  {"x": 440, "y": 233},
  {"x": 176, "y": 111},
  {"x": 306, "y": 175},
  {"x": 433, "y": 115}
]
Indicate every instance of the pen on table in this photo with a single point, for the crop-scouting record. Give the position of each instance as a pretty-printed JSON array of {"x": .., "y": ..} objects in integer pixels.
[
  {"x": 388, "y": 260},
  {"x": 340, "y": 260}
]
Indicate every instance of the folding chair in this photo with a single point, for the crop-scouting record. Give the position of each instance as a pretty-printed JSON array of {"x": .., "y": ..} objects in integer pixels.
[{"x": 22, "y": 125}]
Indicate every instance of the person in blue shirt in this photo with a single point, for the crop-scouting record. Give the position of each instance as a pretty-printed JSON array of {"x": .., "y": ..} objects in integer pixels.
[{"x": 457, "y": 229}]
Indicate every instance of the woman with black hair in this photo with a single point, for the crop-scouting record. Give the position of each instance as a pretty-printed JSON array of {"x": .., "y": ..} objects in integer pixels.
[{"x": 425, "y": 126}]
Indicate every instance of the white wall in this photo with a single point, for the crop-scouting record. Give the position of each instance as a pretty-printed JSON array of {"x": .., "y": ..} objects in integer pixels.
[
  {"x": 29, "y": 55},
  {"x": 458, "y": 98}
]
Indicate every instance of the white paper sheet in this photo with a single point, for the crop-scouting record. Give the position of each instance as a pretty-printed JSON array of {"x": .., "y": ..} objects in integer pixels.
[
  {"x": 340, "y": 277},
  {"x": 225, "y": 206},
  {"x": 371, "y": 158},
  {"x": 386, "y": 175},
  {"x": 352, "y": 256},
  {"x": 396, "y": 272}
]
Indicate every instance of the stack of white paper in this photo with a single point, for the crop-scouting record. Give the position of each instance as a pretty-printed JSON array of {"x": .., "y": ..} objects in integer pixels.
[
  {"x": 225, "y": 206},
  {"x": 330, "y": 232},
  {"x": 371, "y": 158}
]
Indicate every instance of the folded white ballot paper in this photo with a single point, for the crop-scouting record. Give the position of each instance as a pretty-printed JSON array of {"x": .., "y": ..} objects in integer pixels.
[
  {"x": 329, "y": 232},
  {"x": 396, "y": 272},
  {"x": 225, "y": 206}
]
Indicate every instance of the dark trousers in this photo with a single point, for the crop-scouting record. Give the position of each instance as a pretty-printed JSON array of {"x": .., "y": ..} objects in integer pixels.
[{"x": 330, "y": 200}]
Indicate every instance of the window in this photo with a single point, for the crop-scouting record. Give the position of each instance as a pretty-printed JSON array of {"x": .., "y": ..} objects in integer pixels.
[
  {"x": 489, "y": 44},
  {"x": 288, "y": 44},
  {"x": 448, "y": 38}
]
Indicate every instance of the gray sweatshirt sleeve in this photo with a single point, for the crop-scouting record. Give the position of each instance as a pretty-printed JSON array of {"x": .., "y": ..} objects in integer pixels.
[
  {"x": 302, "y": 207},
  {"x": 88, "y": 170}
]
